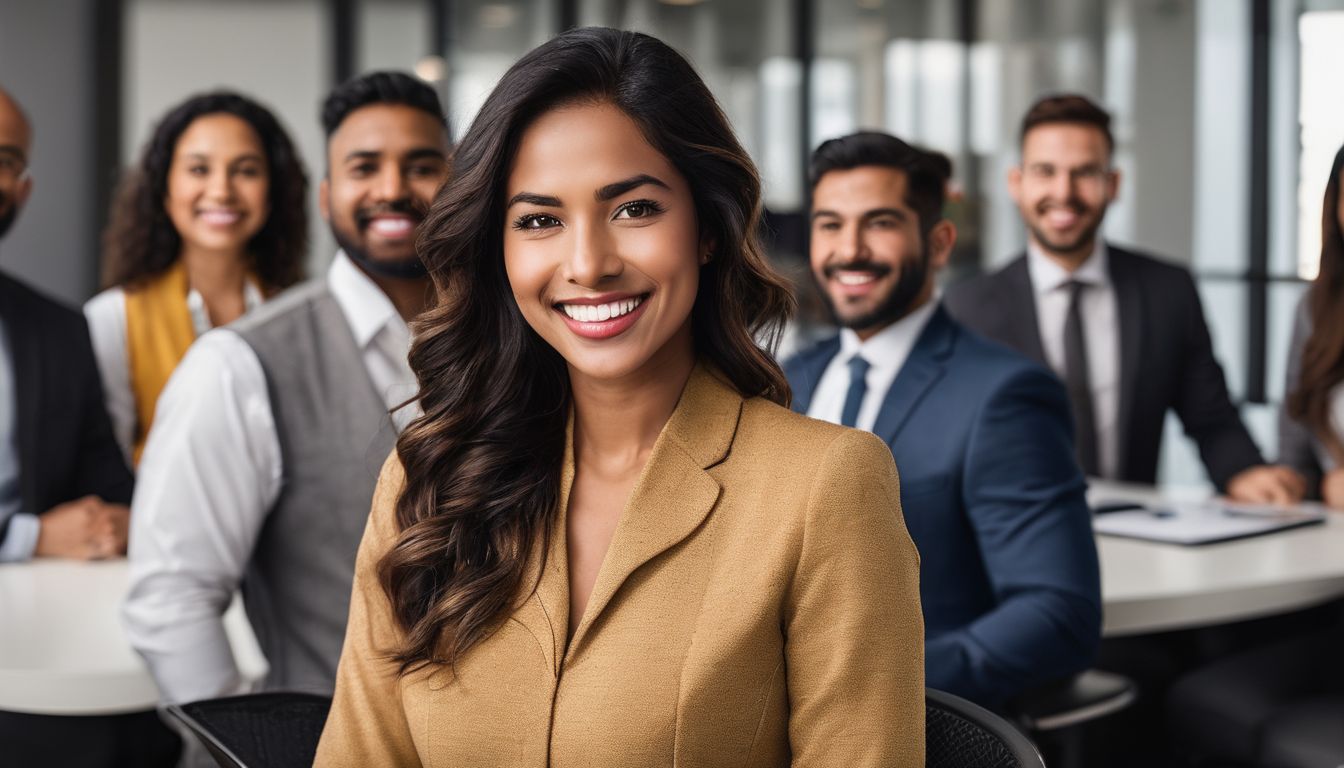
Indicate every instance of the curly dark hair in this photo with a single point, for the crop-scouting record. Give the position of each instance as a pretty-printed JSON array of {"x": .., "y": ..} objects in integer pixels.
[
  {"x": 140, "y": 240},
  {"x": 483, "y": 463}
]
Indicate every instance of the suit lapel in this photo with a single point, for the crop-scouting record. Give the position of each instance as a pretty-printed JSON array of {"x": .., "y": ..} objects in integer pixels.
[
  {"x": 1129, "y": 307},
  {"x": 922, "y": 369},
  {"x": 26, "y": 351},
  {"x": 674, "y": 493},
  {"x": 807, "y": 371},
  {"x": 1022, "y": 328},
  {"x": 545, "y": 613}
]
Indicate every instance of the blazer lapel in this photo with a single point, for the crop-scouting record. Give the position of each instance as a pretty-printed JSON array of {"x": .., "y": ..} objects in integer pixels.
[
  {"x": 922, "y": 369},
  {"x": 1021, "y": 325},
  {"x": 545, "y": 612},
  {"x": 1129, "y": 307},
  {"x": 25, "y": 349},
  {"x": 674, "y": 493},
  {"x": 807, "y": 371}
]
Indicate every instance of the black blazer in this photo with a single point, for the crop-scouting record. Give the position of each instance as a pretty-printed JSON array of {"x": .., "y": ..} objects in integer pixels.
[
  {"x": 65, "y": 443},
  {"x": 1166, "y": 358}
]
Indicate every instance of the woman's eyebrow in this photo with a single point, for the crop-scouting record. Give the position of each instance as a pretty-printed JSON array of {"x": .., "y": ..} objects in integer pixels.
[
  {"x": 534, "y": 199},
  {"x": 610, "y": 191},
  {"x": 618, "y": 188}
]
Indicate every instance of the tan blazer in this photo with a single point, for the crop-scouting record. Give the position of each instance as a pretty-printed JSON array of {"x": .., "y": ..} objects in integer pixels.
[{"x": 759, "y": 606}]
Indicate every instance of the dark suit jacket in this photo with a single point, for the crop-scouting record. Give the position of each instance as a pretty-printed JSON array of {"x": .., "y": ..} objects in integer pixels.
[
  {"x": 65, "y": 444},
  {"x": 1166, "y": 358},
  {"x": 993, "y": 499}
]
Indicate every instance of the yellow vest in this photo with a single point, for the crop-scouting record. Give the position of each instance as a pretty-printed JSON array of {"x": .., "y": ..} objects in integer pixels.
[{"x": 158, "y": 333}]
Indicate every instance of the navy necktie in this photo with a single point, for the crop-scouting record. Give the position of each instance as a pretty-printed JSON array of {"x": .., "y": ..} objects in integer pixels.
[{"x": 858, "y": 387}]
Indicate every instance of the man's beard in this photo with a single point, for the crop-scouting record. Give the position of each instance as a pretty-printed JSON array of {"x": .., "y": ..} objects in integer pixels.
[
  {"x": 909, "y": 285},
  {"x": 401, "y": 269},
  {"x": 1084, "y": 238}
]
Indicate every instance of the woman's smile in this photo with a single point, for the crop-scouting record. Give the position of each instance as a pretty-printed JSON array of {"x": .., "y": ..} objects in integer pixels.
[{"x": 602, "y": 317}]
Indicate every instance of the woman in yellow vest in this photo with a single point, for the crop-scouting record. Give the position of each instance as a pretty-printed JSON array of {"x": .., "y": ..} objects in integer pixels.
[{"x": 211, "y": 222}]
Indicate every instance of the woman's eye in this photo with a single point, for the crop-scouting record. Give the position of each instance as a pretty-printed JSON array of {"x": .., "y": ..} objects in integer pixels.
[
  {"x": 536, "y": 221},
  {"x": 198, "y": 170},
  {"x": 638, "y": 209}
]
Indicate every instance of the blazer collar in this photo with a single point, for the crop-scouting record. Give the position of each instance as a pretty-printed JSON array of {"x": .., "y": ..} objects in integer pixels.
[
  {"x": 805, "y": 371},
  {"x": 924, "y": 367},
  {"x": 671, "y": 499},
  {"x": 26, "y": 361},
  {"x": 1021, "y": 328},
  {"x": 1129, "y": 306}
]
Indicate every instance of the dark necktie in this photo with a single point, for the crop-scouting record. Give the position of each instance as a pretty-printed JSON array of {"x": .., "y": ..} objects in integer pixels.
[
  {"x": 1079, "y": 382},
  {"x": 858, "y": 387}
]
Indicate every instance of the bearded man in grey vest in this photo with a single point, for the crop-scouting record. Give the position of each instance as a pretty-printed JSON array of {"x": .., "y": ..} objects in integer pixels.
[{"x": 266, "y": 445}]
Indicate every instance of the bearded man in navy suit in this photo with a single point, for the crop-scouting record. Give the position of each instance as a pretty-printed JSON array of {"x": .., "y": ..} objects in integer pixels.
[{"x": 990, "y": 488}]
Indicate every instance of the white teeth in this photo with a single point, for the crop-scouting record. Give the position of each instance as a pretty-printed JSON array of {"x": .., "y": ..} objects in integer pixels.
[
  {"x": 392, "y": 227},
  {"x": 596, "y": 313},
  {"x": 220, "y": 217},
  {"x": 855, "y": 278}
]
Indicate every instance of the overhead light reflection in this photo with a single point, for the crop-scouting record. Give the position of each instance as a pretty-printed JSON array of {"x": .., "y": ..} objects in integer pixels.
[{"x": 431, "y": 69}]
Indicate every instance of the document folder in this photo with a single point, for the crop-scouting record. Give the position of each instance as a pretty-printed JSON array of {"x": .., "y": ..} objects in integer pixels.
[{"x": 1207, "y": 522}]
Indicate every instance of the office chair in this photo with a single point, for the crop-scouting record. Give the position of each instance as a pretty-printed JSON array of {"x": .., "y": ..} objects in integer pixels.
[
  {"x": 959, "y": 734},
  {"x": 261, "y": 730},
  {"x": 1054, "y": 714}
]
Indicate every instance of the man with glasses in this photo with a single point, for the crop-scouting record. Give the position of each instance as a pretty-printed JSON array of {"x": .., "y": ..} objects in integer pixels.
[
  {"x": 63, "y": 484},
  {"x": 1124, "y": 331}
]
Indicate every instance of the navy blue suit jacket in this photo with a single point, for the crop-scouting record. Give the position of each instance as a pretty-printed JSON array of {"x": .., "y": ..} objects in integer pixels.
[{"x": 994, "y": 500}]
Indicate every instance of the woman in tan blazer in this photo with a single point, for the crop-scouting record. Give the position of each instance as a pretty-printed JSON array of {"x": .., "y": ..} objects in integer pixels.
[{"x": 606, "y": 542}]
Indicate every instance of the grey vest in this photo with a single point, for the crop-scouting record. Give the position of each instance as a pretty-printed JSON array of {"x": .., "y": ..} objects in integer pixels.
[{"x": 334, "y": 434}]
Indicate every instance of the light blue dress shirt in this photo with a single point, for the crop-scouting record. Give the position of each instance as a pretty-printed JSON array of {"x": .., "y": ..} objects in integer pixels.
[{"x": 20, "y": 539}]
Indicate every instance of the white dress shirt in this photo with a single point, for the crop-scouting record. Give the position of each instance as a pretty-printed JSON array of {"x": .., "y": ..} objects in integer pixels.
[
  {"x": 106, "y": 315},
  {"x": 211, "y": 473},
  {"x": 1101, "y": 328},
  {"x": 20, "y": 539},
  {"x": 886, "y": 353}
]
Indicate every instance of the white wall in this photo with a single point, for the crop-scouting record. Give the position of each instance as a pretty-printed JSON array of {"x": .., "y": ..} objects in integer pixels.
[
  {"x": 275, "y": 52},
  {"x": 53, "y": 245}
]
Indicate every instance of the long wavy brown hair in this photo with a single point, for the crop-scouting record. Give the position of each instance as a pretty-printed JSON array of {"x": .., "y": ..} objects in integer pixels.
[
  {"x": 483, "y": 463},
  {"x": 1323, "y": 354},
  {"x": 140, "y": 240}
]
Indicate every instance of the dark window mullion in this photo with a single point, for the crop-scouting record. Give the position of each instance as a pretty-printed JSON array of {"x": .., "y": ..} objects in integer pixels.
[{"x": 1257, "y": 271}]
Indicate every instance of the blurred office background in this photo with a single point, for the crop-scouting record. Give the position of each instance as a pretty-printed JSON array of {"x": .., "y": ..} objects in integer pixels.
[{"x": 1227, "y": 114}]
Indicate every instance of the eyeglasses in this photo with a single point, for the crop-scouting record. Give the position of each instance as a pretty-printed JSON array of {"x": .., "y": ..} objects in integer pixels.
[{"x": 12, "y": 168}]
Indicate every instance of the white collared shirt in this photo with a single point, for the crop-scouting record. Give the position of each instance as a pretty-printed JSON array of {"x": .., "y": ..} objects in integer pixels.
[
  {"x": 886, "y": 353},
  {"x": 1101, "y": 327},
  {"x": 106, "y": 315},
  {"x": 209, "y": 476}
]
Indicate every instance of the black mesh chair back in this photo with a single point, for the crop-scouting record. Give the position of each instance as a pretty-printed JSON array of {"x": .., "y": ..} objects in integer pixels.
[
  {"x": 959, "y": 734},
  {"x": 261, "y": 730}
]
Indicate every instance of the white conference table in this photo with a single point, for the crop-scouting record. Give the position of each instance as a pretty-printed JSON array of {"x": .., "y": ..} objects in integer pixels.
[
  {"x": 62, "y": 647},
  {"x": 63, "y": 650},
  {"x": 1151, "y": 587}
]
